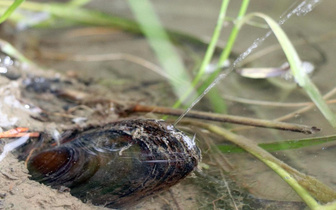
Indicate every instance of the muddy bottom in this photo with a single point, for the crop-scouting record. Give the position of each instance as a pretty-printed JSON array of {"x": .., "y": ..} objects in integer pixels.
[{"x": 66, "y": 94}]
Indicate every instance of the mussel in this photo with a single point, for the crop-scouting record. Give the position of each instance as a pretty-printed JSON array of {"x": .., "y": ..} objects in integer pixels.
[{"x": 119, "y": 164}]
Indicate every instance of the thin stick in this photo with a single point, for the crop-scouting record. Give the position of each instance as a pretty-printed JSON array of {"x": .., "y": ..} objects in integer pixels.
[{"x": 227, "y": 118}]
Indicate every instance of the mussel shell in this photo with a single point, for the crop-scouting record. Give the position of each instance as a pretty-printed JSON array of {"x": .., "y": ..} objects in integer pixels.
[{"x": 119, "y": 164}]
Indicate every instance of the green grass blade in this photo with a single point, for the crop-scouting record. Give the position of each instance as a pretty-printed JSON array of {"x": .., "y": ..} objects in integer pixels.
[
  {"x": 228, "y": 48},
  {"x": 232, "y": 38},
  {"x": 278, "y": 146},
  {"x": 296, "y": 67},
  {"x": 216, "y": 104},
  {"x": 212, "y": 45},
  {"x": 10, "y": 10}
]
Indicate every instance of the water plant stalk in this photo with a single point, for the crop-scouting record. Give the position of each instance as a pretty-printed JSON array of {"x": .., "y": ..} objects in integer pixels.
[
  {"x": 208, "y": 54},
  {"x": 217, "y": 102},
  {"x": 212, "y": 45},
  {"x": 10, "y": 10},
  {"x": 229, "y": 45}
]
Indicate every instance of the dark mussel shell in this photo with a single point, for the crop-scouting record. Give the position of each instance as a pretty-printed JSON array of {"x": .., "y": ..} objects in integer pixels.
[{"x": 119, "y": 164}]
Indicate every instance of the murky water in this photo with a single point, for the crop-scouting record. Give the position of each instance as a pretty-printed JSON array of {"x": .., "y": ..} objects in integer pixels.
[{"x": 225, "y": 180}]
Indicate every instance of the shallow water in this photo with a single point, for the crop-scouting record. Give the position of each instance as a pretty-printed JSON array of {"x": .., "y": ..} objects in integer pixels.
[{"x": 251, "y": 183}]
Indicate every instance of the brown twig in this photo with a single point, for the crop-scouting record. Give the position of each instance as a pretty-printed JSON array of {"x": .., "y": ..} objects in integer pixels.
[{"x": 227, "y": 118}]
